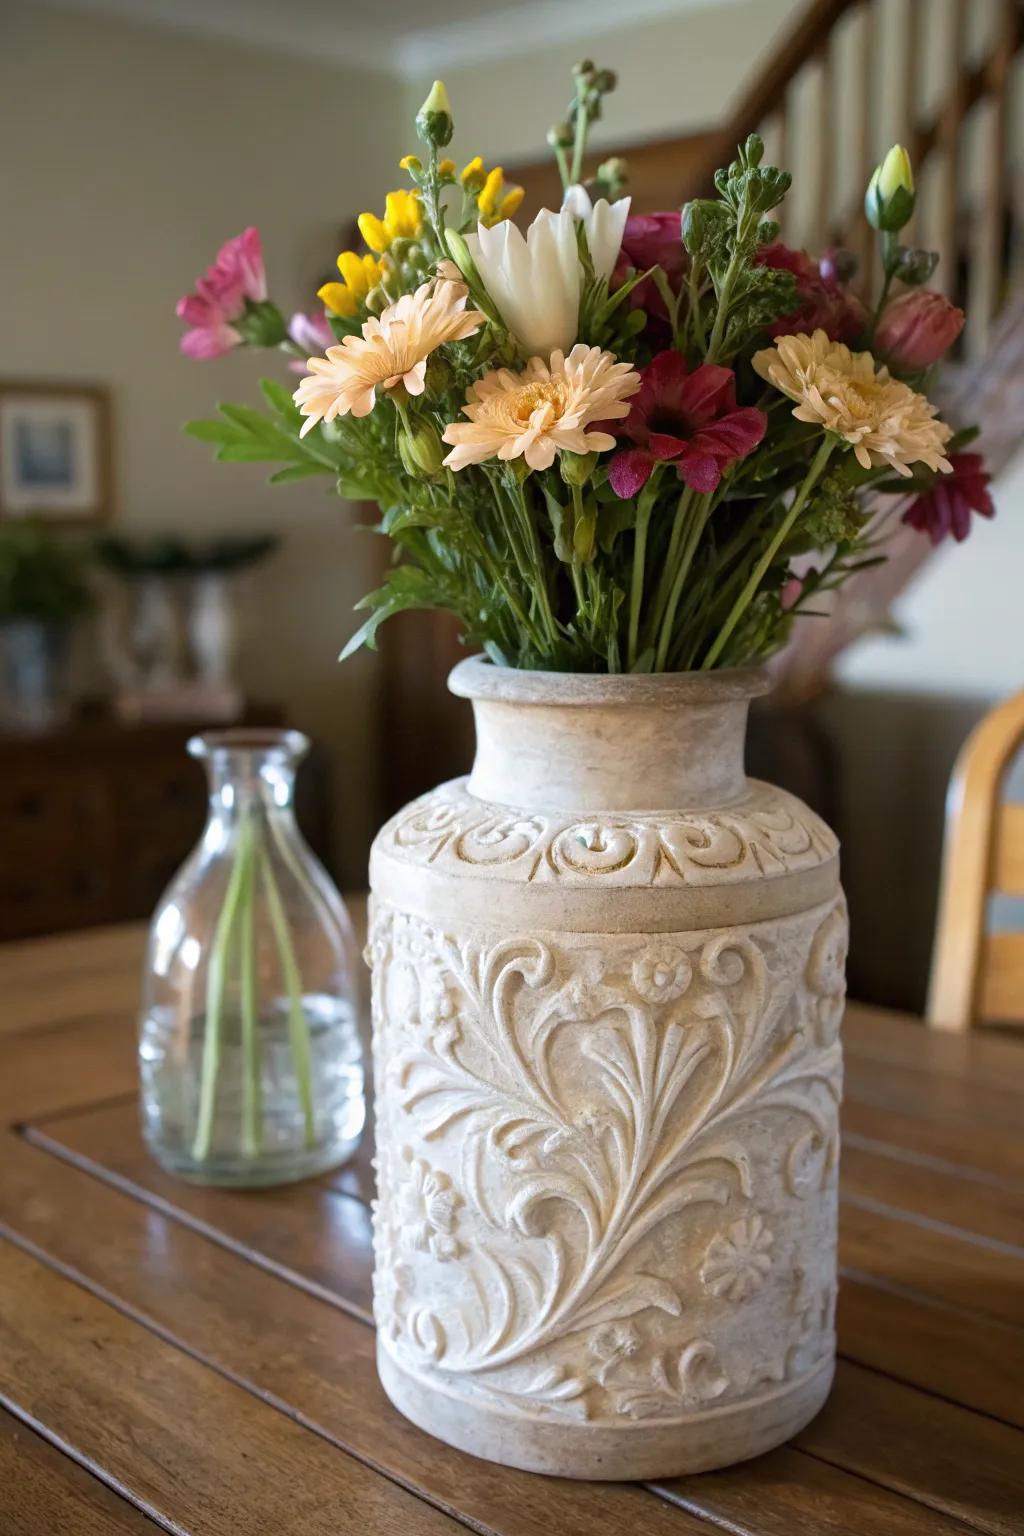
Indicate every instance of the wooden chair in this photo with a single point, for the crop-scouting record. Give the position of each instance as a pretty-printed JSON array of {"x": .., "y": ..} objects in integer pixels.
[{"x": 977, "y": 976}]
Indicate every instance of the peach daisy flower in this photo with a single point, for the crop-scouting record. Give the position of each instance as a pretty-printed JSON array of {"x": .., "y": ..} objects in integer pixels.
[
  {"x": 545, "y": 408},
  {"x": 392, "y": 350},
  {"x": 847, "y": 393}
]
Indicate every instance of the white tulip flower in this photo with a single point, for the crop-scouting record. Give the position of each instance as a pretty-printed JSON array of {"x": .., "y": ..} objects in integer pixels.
[
  {"x": 604, "y": 223},
  {"x": 534, "y": 280}
]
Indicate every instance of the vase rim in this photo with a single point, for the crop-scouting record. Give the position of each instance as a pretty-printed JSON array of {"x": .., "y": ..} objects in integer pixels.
[
  {"x": 259, "y": 741},
  {"x": 478, "y": 678}
]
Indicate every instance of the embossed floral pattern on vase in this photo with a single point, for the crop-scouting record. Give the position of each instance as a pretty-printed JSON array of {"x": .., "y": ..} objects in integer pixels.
[
  {"x": 587, "y": 1133},
  {"x": 738, "y": 1259}
]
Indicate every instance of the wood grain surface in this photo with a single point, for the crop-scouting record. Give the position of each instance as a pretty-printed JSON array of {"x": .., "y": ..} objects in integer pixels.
[{"x": 202, "y": 1361}]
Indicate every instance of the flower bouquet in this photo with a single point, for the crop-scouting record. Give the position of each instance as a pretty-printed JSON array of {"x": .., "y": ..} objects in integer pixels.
[
  {"x": 608, "y": 969},
  {"x": 613, "y": 443}
]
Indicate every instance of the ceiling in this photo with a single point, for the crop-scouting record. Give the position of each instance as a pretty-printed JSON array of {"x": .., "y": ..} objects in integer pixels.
[{"x": 405, "y": 38}]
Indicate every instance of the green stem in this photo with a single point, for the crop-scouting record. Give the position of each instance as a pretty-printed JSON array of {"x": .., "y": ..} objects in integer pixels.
[
  {"x": 298, "y": 1024},
  {"x": 699, "y": 519},
  {"x": 749, "y": 592},
  {"x": 252, "y": 1091},
  {"x": 644, "y": 507},
  {"x": 541, "y": 581},
  {"x": 661, "y": 596},
  {"x": 579, "y": 143},
  {"x": 890, "y": 260},
  {"x": 216, "y": 977}
]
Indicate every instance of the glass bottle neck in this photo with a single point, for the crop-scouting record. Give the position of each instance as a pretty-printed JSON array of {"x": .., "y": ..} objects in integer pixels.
[{"x": 249, "y": 771}]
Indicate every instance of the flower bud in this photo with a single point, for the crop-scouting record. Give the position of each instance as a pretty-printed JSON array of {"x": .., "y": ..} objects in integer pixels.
[
  {"x": 262, "y": 325},
  {"x": 916, "y": 266},
  {"x": 560, "y": 136},
  {"x": 889, "y": 200},
  {"x": 460, "y": 254},
  {"x": 577, "y": 468},
  {"x": 837, "y": 265},
  {"x": 421, "y": 448},
  {"x": 434, "y": 122},
  {"x": 917, "y": 328}
]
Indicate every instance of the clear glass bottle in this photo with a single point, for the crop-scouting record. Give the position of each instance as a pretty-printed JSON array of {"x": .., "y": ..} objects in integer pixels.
[{"x": 250, "y": 1055}]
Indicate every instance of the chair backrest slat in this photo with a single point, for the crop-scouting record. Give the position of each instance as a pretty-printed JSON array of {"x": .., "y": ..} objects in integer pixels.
[{"x": 978, "y": 977}]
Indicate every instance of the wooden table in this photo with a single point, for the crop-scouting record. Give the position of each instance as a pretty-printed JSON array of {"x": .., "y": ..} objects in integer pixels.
[{"x": 200, "y": 1361}]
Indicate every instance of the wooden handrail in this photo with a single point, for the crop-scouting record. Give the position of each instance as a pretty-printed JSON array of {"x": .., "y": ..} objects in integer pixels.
[{"x": 806, "y": 38}]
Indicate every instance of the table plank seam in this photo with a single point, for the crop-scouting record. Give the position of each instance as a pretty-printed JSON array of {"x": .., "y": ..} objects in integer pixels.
[
  {"x": 92, "y": 1468},
  {"x": 196, "y": 1224},
  {"x": 927, "y": 1160},
  {"x": 933, "y": 1224},
  {"x": 333, "y": 1298},
  {"x": 923, "y": 1299},
  {"x": 692, "y": 1506},
  {"x": 272, "y": 1400}
]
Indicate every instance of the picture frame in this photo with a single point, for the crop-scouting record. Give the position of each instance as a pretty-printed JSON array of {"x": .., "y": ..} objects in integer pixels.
[{"x": 56, "y": 452}]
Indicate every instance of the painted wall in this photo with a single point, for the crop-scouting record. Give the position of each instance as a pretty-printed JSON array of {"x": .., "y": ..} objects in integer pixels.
[
  {"x": 129, "y": 155},
  {"x": 676, "y": 74}
]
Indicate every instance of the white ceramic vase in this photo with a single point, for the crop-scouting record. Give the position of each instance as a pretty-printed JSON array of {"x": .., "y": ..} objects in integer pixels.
[{"x": 608, "y": 975}]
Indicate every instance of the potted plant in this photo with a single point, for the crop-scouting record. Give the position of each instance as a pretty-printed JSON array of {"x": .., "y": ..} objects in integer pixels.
[
  {"x": 608, "y": 968},
  {"x": 43, "y": 591}
]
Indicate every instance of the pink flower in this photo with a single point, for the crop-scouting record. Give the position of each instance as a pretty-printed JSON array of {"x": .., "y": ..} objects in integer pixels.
[
  {"x": 312, "y": 333},
  {"x": 947, "y": 507},
  {"x": 652, "y": 240},
  {"x": 823, "y": 303},
  {"x": 688, "y": 419},
  {"x": 236, "y": 278},
  {"x": 792, "y": 591},
  {"x": 917, "y": 328}
]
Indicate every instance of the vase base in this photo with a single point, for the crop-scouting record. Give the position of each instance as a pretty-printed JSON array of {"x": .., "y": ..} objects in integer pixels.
[
  {"x": 260, "y": 1172},
  {"x": 700, "y": 1442}
]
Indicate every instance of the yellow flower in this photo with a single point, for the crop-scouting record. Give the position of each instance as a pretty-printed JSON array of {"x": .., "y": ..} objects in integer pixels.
[
  {"x": 446, "y": 167},
  {"x": 887, "y": 423},
  {"x": 410, "y": 163},
  {"x": 544, "y": 409},
  {"x": 495, "y": 201},
  {"x": 403, "y": 219},
  {"x": 510, "y": 203},
  {"x": 361, "y": 274},
  {"x": 392, "y": 349},
  {"x": 473, "y": 175},
  {"x": 487, "y": 202}
]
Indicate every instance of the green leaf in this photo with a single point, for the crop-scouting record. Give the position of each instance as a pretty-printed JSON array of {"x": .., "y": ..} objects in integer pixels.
[
  {"x": 298, "y": 472},
  {"x": 211, "y": 431},
  {"x": 405, "y": 588},
  {"x": 279, "y": 397}
]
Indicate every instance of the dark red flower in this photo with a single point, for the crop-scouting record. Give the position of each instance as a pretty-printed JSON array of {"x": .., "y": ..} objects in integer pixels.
[
  {"x": 947, "y": 507},
  {"x": 823, "y": 303},
  {"x": 690, "y": 420},
  {"x": 652, "y": 240}
]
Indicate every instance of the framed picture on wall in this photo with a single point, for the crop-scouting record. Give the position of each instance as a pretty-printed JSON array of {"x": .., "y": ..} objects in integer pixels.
[{"x": 55, "y": 452}]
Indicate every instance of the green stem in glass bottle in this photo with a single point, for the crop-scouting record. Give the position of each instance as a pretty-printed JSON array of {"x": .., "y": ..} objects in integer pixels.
[
  {"x": 216, "y": 978},
  {"x": 298, "y": 1024},
  {"x": 252, "y": 1090}
]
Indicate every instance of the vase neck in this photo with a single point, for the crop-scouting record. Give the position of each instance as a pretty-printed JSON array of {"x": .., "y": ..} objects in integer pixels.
[
  {"x": 247, "y": 770},
  {"x": 635, "y": 744}
]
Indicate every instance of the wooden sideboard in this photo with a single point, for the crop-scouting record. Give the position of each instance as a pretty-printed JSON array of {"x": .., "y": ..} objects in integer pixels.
[{"x": 96, "y": 816}]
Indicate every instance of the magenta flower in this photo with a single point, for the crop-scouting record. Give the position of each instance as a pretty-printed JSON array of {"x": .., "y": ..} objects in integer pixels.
[
  {"x": 312, "y": 333},
  {"x": 690, "y": 420},
  {"x": 947, "y": 507},
  {"x": 823, "y": 302},
  {"x": 652, "y": 240},
  {"x": 917, "y": 328},
  {"x": 237, "y": 278}
]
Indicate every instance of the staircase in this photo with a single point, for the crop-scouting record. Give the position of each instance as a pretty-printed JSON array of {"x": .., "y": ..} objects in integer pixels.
[{"x": 854, "y": 76}]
